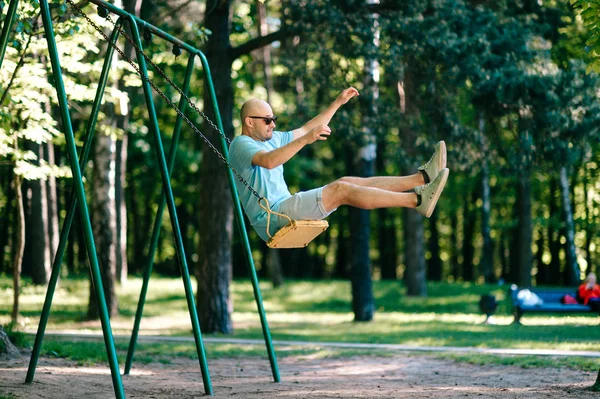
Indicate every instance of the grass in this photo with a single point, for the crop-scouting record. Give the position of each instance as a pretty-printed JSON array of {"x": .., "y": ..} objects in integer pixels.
[
  {"x": 525, "y": 362},
  {"x": 315, "y": 311}
]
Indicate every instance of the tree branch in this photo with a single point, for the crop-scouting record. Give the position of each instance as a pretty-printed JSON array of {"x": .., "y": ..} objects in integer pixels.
[
  {"x": 171, "y": 13},
  {"x": 286, "y": 32},
  {"x": 262, "y": 41},
  {"x": 19, "y": 65}
]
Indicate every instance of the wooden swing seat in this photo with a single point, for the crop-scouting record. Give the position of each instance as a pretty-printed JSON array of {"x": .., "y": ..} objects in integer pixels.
[{"x": 297, "y": 233}]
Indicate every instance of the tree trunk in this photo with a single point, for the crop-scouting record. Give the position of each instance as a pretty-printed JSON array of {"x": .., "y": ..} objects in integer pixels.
[
  {"x": 387, "y": 243},
  {"x": 572, "y": 265},
  {"x": 19, "y": 248},
  {"x": 127, "y": 199},
  {"x": 589, "y": 223},
  {"x": 53, "y": 229},
  {"x": 121, "y": 207},
  {"x": 37, "y": 248},
  {"x": 7, "y": 217},
  {"x": 273, "y": 263},
  {"x": 415, "y": 275},
  {"x": 487, "y": 253},
  {"x": 596, "y": 386},
  {"x": 7, "y": 347},
  {"x": 363, "y": 304},
  {"x": 386, "y": 229},
  {"x": 434, "y": 266},
  {"x": 554, "y": 277},
  {"x": 513, "y": 255},
  {"x": 215, "y": 204},
  {"x": 265, "y": 51},
  {"x": 82, "y": 258},
  {"x": 140, "y": 234},
  {"x": 468, "y": 248},
  {"x": 455, "y": 249},
  {"x": 525, "y": 229},
  {"x": 504, "y": 251},
  {"x": 342, "y": 252},
  {"x": 542, "y": 271},
  {"x": 70, "y": 250},
  {"x": 104, "y": 222},
  {"x": 238, "y": 252}
]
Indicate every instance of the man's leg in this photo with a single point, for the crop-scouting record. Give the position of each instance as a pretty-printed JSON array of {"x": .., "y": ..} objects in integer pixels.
[
  {"x": 396, "y": 184},
  {"x": 347, "y": 191}
]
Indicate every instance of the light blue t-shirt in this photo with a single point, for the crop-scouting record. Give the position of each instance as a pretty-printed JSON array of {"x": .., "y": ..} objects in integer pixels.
[{"x": 269, "y": 183}]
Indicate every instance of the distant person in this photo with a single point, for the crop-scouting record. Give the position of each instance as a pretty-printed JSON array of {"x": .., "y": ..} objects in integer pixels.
[
  {"x": 259, "y": 153},
  {"x": 589, "y": 292}
]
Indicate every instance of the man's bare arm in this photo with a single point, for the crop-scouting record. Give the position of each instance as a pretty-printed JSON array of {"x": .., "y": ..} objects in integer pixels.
[
  {"x": 279, "y": 156},
  {"x": 325, "y": 117}
]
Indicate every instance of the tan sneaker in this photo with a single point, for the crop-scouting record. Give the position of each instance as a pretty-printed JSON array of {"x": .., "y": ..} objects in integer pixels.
[
  {"x": 430, "y": 193},
  {"x": 437, "y": 162}
]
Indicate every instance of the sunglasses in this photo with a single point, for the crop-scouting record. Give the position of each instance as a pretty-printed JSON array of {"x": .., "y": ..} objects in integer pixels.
[{"x": 267, "y": 119}]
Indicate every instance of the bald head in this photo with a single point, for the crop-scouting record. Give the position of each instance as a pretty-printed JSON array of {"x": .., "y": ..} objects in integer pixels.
[
  {"x": 255, "y": 107},
  {"x": 256, "y": 122}
]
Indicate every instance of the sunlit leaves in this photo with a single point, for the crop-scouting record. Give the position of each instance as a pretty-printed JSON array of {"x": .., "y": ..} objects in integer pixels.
[
  {"x": 26, "y": 83},
  {"x": 590, "y": 14}
]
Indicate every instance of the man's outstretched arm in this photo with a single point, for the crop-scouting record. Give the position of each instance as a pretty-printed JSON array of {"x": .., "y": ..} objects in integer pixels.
[
  {"x": 279, "y": 156},
  {"x": 324, "y": 117},
  {"x": 315, "y": 129}
]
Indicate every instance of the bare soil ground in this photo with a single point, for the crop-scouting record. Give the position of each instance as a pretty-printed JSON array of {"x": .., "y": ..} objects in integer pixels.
[{"x": 397, "y": 376}]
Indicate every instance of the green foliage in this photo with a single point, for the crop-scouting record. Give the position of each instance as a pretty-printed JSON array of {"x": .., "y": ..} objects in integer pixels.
[
  {"x": 589, "y": 12},
  {"x": 27, "y": 91}
]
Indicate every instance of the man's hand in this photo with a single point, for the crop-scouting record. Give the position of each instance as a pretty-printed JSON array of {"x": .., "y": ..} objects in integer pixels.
[
  {"x": 320, "y": 121},
  {"x": 320, "y": 132},
  {"x": 346, "y": 95}
]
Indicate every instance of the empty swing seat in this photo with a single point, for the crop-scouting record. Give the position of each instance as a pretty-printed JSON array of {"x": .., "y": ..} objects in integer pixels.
[{"x": 297, "y": 233}]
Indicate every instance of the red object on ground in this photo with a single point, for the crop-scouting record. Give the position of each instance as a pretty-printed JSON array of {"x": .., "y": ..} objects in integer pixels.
[{"x": 586, "y": 293}]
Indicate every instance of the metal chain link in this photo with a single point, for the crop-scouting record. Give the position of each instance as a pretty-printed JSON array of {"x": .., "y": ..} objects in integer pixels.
[
  {"x": 169, "y": 102},
  {"x": 164, "y": 75}
]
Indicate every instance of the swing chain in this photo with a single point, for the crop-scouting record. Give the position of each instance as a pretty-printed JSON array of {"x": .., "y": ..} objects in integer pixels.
[
  {"x": 161, "y": 94},
  {"x": 164, "y": 75}
]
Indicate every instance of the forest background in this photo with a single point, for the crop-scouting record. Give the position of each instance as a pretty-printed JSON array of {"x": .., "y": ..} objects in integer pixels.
[{"x": 509, "y": 85}]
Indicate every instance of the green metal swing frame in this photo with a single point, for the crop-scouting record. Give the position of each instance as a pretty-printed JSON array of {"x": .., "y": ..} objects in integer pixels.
[{"x": 77, "y": 196}]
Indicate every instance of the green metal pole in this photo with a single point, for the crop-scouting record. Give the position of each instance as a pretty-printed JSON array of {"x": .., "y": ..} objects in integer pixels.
[
  {"x": 189, "y": 292},
  {"x": 85, "y": 217},
  {"x": 241, "y": 226},
  {"x": 10, "y": 18},
  {"x": 145, "y": 25},
  {"x": 158, "y": 220},
  {"x": 64, "y": 233}
]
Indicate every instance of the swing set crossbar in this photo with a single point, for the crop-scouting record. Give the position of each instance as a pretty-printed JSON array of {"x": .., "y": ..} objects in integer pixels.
[{"x": 147, "y": 26}]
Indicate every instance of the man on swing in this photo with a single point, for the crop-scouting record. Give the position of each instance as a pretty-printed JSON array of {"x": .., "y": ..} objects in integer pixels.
[{"x": 260, "y": 152}]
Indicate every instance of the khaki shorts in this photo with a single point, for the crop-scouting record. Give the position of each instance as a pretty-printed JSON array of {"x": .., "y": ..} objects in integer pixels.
[{"x": 304, "y": 205}]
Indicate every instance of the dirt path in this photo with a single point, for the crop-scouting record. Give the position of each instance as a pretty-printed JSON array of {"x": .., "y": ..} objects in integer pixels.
[{"x": 398, "y": 376}]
